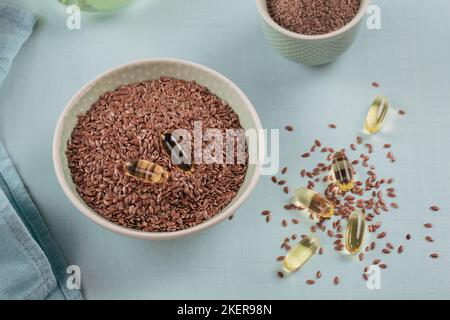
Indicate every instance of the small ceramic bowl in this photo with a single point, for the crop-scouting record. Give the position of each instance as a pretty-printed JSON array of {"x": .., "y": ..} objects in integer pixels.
[
  {"x": 148, "y": 70},
  {"x": 307, "y": 49}
]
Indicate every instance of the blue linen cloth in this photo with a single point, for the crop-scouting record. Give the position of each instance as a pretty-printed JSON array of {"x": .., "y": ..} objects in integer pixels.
[{"x": 31, "y": 265}]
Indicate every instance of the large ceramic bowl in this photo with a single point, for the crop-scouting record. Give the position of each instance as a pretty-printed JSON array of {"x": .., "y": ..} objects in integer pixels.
[
  {"x": 307, "y": 49},
  {"x": 148, "y": 70}
]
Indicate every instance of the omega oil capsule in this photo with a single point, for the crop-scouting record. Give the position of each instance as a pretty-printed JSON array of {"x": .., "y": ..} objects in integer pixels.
[
  {"x": 343, "y": 171},
  {"x": 377, "y": 114},
  {"x": 299, "y": 254},
  {"x": 146, "y": 171},
  {"x": 175, "y": 151},
  {"x": 314, "y": 202},
  {"x": 354, "y": 234}
]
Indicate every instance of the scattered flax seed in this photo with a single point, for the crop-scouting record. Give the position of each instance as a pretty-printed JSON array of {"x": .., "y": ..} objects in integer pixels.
[
  {"x": 318, "y": 275},
  {"x": 284, "y": 170},
  {"x": 274, "y": 179},
  {"x": 394, "y": 205},
  {"x": 381, "y": 235},
  {"x": 265, "y": 213},
  {"x": 280, "y": 274},
  {"x": 281, "y": 182},
  {"x": 408, "y": 237},
  {"x": 284, "y": 223},
  {"x": 321, "y": 250},
  {"x": 231, "y": 217},
  {"x": 428, "y": 225},
  {"x": 359, "y": 140},
  {"x": 336, "y": 280},
  {"x": 386, "y": 251},
  {"x": 361, "y": 256},
  {"x": 387, "y": 146},
  {"x": 389, "y": 246},
  {"x": 400, "y": 249},
  {"x": 375, "y": 84},
  {"x": 280, "y": 258},
  {"x": 376, "y": 261},
  {"x": 401, "y": 112},
  {"x": 289, "y": 128},
  {"x": 305, "y": 155},
  {"x": 383, "y": 266},
  {"x": 268, "y": 218},
  {"x": 332, "y": 126},
  {"x": 434, "y": 208},
  {"x": 429, "y": 239},
  {"x": 317, "y": 143},
  {"x": 434, "y": 255},
  {"x": 286, "y": 190},
  {"x": 310, "y": 282},
  {"x": 295, "y": 221}
]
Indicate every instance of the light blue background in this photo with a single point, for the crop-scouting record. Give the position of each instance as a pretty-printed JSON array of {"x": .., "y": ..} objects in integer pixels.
[{"x": 409, "y": 57}]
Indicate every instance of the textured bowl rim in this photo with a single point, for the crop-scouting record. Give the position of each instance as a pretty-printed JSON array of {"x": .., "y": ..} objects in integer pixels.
[
  {"x": 90, "y": 213},
  {"x": 268, "y": 19}
]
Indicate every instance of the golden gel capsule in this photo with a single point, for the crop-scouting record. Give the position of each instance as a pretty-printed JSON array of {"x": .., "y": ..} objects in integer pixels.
[
  {"x": 377, "y": 114},
  {"x": 343, "y": 171},
  {"x": 176, "y": 152},
  {"x": 314, "y": 202},
  {"x": 146, "y": 171},
  {"x": 354, "y": 235},
  {"x": 301, "y": 253}
]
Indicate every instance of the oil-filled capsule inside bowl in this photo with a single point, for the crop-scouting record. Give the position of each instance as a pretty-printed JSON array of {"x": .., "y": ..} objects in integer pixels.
[
  {"x": 146, "y": 171},
  {"x": 355, "y": 232},
  {"x": 314, "y": 202},
  {"x": 300, "y": 253},
  {"x": 175, "y": 151},
  {"x": 343, "y": 171}
]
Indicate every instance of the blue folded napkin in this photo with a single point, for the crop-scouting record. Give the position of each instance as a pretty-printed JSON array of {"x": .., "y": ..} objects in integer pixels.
[{"x": 31, "y": 265}]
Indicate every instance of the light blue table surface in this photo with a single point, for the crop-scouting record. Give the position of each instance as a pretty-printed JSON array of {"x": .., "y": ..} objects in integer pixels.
[{"x": 409, "y": 57}]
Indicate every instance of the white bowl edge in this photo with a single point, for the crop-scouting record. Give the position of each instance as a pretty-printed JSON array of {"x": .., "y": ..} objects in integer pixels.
[{"x": 156, "y": 235}]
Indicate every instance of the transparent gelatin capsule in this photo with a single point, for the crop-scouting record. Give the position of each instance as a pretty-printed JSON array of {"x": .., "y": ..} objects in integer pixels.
[
  {"x": 355, "y": 231},
  {"x": 314, "y": 202},
  {"x": 146, "y": 171},
  {"x": 377, "y": 114},
  {"x": 176, "y": 153},
  {"x": 302, "y": 252},
  {"x": 343, "y": 171}
]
